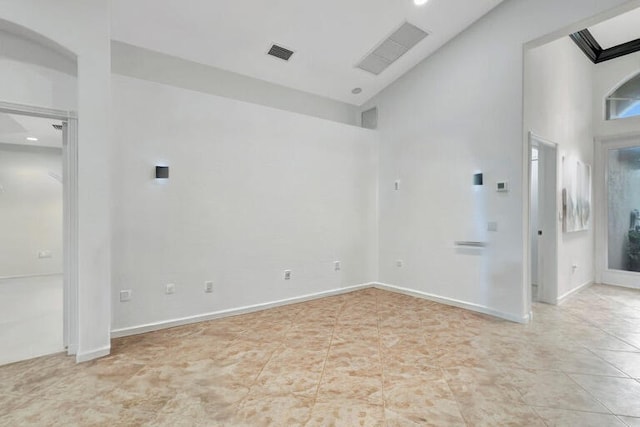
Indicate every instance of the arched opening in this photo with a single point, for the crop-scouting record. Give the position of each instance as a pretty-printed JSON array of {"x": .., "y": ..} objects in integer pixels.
[{"x": 624, "y": 102}]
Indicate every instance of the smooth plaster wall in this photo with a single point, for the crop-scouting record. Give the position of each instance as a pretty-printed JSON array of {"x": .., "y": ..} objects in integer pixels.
[
  {"x": 82, "y": 27},
  {"x": 47, "y": 78},
  {"x": 252, "y": 191},
  {"x": 558, "y": 107},
  {"x": 30, "y": 211},
  {"x": 134, "y": 61},
  {"x": 457, "y": 113}
]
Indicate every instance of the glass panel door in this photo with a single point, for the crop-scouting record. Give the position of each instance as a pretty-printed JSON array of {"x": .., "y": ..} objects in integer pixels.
[{"x": 623, "y": 214}]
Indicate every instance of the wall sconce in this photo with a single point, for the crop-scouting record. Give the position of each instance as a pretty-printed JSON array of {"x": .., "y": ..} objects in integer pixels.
[
  {"x": 162, "y": 172},
  {"x": 477, "y": 179}
]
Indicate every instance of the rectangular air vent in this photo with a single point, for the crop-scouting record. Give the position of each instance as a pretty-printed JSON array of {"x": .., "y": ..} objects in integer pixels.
[
  {"x": 280, "y": 52},
  {"x": 389, "y": 50}
]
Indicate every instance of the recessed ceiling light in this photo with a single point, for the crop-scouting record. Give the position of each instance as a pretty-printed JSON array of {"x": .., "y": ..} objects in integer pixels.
[
  {"x": 32, "y": 138},
  {"x": 356, "y": 91},
  {"x": 420, "y": 2}
]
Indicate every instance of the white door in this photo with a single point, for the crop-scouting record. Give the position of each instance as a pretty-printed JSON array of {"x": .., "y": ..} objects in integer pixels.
[
  {"x": 544, "y": 219},
  {"x": 619, "y": 228}
]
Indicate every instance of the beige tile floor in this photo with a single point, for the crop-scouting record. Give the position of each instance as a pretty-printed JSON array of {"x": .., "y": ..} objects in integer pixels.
[{"x": 366, "y": 358}]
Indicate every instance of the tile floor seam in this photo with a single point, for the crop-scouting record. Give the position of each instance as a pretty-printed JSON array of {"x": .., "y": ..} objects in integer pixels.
[
  {"x": 463, "y": 340},
  {"x": 455, "y": 398},
  {"x": 592, "y": 323},
  {"x": 591, "y": 394},
  {"x": 384, "y": 401},
  {"x": 324, "y": 363},
  {"x": 533, "y": 408},
  {"x": 243, "y": 400},
  {"x": 618, "y": 417}
]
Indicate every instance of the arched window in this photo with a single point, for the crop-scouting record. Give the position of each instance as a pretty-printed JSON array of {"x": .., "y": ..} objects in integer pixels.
[{"x": 625, "y": 101}]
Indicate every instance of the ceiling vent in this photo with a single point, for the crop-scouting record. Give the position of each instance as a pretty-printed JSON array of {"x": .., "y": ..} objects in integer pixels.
[
  {"x": 57, "y": 127},
  {"x": 280, "y": 52},
  {"x": 392, "y": 48}
]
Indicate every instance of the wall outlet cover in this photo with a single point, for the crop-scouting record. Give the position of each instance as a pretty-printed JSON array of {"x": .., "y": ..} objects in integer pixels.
[
  {"x": 44, "y": 254},
  {"x": 125, "y": 295},
  {"x": 208, "y": 287},
  {"x": 170, "y": 288}
]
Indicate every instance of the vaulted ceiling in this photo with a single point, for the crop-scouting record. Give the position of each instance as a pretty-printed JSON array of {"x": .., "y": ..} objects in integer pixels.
[{"x": 328, "y": 37}]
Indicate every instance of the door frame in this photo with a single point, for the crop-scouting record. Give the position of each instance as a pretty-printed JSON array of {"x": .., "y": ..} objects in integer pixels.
[
  {"x": 603, "y": 273},
  {"x": 548, "y": 289},
  {"x": 70, "y": 211}
]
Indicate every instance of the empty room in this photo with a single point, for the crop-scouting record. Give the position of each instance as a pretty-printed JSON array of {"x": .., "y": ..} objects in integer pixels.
[{"x": 336, "y": 213}]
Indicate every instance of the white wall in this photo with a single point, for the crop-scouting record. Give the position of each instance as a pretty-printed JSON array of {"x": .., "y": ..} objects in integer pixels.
[
  {"x": 82, "y": 27},
  {"x": 134, "y": 61},
  {"x": 30, "y": 211},
  {"x": 457, "y": 113},
  {"x": 252, "y": 191},
  {"x": 558, "y": 107},
  {"x": 48, "y": 78}
]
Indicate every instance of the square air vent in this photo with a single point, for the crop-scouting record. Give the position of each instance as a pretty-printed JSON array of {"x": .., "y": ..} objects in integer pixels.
[
  {"x": 280, "y": 52},
  {"x": 389, "y": 50}
]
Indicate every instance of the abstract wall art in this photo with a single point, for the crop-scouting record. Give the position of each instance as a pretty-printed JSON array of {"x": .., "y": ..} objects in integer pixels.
[{"x": 576, "y": 195}]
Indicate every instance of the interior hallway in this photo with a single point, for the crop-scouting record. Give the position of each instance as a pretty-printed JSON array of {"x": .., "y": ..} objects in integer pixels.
[{"x": 365, "y": 358}]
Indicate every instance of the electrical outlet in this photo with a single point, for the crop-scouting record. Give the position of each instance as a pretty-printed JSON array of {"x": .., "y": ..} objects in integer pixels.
[
  {"x": 125, "y": 295},
  {"x": 396, "y": 185},
  {"x": 337, "y": 266},
  {"x": 208, "y": 287},
  {"x": 287, "y": 275},
  {"x": 170, "y": 288},
  {"x": 44, "y": 254},
  {"x": 399, "y": 263}
]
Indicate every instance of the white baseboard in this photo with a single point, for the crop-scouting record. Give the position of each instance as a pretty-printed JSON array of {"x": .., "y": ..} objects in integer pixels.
[
  {"x": 72, "y": 350},
  {"x": 562, "y": 298},
  {"x": 456, "y": 303},
  {"x": 93, "y": 354},
  {"x": 150, "y": 327}
]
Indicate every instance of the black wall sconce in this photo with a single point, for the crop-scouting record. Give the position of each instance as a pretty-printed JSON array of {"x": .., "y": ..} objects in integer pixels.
[
  {"x": 477, "y": 179},
  {"x": 162, "y": 172}
]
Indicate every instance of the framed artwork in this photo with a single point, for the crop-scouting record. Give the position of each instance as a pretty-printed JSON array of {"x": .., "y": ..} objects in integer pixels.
[{"x": 576, "y": 195}]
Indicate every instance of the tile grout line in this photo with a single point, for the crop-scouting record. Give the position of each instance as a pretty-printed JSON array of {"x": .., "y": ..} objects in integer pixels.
[
  {"x": 279, "y": 346},
  {"x": 384, "y": 400},
  {"x": 589, "y": 393},
  {"x": 324, "y": 363}
]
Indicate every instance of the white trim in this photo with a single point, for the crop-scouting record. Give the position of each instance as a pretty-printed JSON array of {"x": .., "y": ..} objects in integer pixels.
[
  {"x": 70, "y": 207},
  {"x": 150, "y": 327},
  {"x": 603, "y": 273},
  {"x": 567, "y": 295},
  {"x": 155, "y": 326},
  {"x": 29, "y": 110},
  {"x": 29, "y": 276},
  {"x": 71, "y": 350},
  {"x": 548, "y": 291},
  {"x": 94, "y": 354},
  {"x": 455, "y": 303}
]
